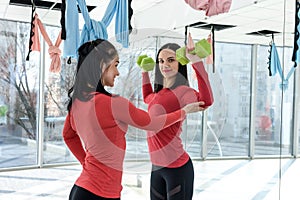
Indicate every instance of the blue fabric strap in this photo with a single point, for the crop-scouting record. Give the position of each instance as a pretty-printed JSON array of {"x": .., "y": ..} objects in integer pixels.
[
  {"x": 92, "y": 29},
  {"x": 72, "y": 30},
  {"x": 96, "y": 30},
  {"x": 110, "y": 12},
  {"x": 276, "y": 66},
  {"x": 120, "y": 7},
  {"x": 121, "y": 26}
]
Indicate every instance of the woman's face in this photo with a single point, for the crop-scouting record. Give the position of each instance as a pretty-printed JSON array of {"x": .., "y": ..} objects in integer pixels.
[
  {"x": 110, "y": 72},
  {"x": 168, "y": 64}
]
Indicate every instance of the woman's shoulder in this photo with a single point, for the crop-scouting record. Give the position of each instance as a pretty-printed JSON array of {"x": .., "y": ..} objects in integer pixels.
[
  {"x": 113, "y": 97},
  {"x": 113, "y": 100},
  {"x": 101, "y": 96},
  {"x": 183, "y": 88}
]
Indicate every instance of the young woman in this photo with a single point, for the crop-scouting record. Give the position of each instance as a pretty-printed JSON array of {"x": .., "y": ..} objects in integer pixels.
[
  {"x": 172, "y": 176},
  {"x": 97, "y": 122}
]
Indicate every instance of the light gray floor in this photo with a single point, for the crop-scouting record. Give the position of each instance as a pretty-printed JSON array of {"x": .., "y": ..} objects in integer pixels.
[{"x": 258, "y": 179}]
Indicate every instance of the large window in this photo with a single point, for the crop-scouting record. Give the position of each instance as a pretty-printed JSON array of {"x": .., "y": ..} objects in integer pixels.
[
  {"x": 230, "y": 114},
  {"x": 33, "y": 102},
  {"x": 19, "y": 85}
]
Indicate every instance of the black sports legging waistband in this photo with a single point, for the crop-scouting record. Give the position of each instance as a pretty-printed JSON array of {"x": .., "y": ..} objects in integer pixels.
[{"x": 79, "y": 193}]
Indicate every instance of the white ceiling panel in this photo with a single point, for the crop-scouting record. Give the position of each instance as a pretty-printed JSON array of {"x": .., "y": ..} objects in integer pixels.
[{"x": 15, "y": 12}]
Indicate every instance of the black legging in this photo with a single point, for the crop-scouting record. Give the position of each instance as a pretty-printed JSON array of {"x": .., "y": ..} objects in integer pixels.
[
  {"x": 172, "y": 183},
  {"x": 79, "y": 193}
]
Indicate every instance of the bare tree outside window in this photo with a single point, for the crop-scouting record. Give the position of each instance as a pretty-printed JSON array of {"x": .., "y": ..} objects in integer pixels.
[{"x": 20, "y": 81}]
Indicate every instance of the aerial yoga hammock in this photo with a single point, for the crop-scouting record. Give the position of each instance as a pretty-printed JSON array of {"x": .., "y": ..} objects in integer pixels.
[
  {"x": 93, "y": 29},
  {"x": 274, "y": 61},
  {"x": 34, "y": 42},
  {"x": 211, "y": 7}
]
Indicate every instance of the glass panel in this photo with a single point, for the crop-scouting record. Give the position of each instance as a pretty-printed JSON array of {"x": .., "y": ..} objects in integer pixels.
[
  {"x": 129, "y": 85},
  {"x": 228, "y": 118},
  {"x": 192, "y": 127},
  {"x": 271, "y": 108},
  {"x": 55, "y": 93},
  {"x": 216, "y": 116},
  {"x": 19, "y": 96}
]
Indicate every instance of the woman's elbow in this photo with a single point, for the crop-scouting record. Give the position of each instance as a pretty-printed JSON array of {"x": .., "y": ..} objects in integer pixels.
[{"x": 209, "y": 102}]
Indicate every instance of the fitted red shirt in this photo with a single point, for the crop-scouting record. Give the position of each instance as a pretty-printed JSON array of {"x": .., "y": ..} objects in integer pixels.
[
  {"x": 95, "y": 132},
  {"x": 165, "y": 146}
]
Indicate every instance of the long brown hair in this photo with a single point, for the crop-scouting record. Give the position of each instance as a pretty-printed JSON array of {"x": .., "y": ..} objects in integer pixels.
[{"x": 92, "y": 57}]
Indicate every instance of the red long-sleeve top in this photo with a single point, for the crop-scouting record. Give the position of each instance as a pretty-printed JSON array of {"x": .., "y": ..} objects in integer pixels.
[
  {"x": 165, "y": 146},
  {"x": 95, "y": 132}
]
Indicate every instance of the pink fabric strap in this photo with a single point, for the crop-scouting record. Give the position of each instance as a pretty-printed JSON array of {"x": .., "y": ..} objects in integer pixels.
[
  {"x": 35, "y": 38},
  {"x": 190, "y": 45},
  {"x": 53, "y": 50},
  {"x": 209, "y": 59}
]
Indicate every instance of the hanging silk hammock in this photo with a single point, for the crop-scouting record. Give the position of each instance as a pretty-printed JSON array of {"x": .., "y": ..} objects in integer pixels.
[
  {"x": 34, "y": 42},
  {"x": 275, "y": 66},
  {"x": 274, "y": 61},
  {"x": 93, "y": 29}
]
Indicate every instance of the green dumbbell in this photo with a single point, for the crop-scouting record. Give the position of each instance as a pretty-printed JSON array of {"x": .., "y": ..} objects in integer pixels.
[
  {"x": 140, "y": 58},
  {"x": 202, "y": 49},
  {"x": 145, "y": 62},
  {"x": 180, "y": 56}
]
